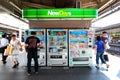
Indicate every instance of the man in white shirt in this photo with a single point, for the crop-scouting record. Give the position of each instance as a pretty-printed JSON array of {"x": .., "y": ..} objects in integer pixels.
[{"x": 3, "y": 45}]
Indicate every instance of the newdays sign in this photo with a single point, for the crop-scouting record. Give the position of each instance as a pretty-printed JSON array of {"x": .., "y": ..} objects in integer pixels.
[{"x": 60, "y": 13}]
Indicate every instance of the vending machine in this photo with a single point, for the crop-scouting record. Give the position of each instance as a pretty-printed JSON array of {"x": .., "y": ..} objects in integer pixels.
[
  {"x": 41, "y": 34},
  {"x": 57, "y": 47},
  {"x": 80, "y": 47}
]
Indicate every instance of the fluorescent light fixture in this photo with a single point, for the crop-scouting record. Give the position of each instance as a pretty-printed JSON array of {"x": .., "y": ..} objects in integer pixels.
[
  {"x": 15, "y": 6},
  {"x": 110, "y": 1},
  {"x": 114, "y": 9}
]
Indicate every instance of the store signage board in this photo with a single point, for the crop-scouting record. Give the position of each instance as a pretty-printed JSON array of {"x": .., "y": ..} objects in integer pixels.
[{"x": 59, "y": 13}]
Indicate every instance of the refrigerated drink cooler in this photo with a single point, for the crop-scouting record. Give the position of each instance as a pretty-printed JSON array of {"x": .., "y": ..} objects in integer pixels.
[
  {"x": 41, "y": 34},
  {"x": 80, "y": 47},
  {"x": 57, "y": 47}
]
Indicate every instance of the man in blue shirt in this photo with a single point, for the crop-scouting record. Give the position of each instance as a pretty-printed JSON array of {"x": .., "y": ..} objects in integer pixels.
[
  {"x": 104, "y": 37},
  {"x": 99, "y": 46},
  {"x": 105, "y": 40}
]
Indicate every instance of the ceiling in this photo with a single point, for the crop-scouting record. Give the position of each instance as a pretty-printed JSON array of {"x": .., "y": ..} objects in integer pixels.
[
  {"x": 60, "y": 3},
  {"x": 17, "y": 5},
  {"x": 2, "y": 10}
]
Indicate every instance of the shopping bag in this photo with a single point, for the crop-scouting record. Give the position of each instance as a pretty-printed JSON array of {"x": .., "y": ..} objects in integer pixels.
[
  {"x": 106, "y": 57},
  {"x": 8, "y": 50},
  {"x": 107, "y": 46},
  {"x": 11, "y": 50}
]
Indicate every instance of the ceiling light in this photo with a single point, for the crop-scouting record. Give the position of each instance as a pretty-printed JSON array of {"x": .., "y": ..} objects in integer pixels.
[
  {"x": 105, "y": 5},
  {"x": 15, "y": 6}
]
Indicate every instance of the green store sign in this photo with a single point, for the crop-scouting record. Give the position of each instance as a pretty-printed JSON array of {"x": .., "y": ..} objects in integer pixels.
[{"x": 60, "y": 13}]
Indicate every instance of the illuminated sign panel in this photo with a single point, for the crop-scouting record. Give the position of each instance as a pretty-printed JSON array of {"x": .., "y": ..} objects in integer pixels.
[{"x": 60, "y": 13}]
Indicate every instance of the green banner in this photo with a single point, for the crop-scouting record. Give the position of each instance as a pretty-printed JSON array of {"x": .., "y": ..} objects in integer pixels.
[{"x": 60, "y": 13}]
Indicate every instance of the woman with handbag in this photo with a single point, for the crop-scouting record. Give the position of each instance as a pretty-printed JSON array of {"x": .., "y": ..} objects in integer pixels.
[
  {"x": 99, "y": 47},
  {"x": 15, "y": 52}
]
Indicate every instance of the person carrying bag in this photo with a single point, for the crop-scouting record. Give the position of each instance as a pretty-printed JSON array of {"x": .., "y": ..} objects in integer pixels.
[
  {"x": 3, "y": 45},
  {"x": 99, "y": 47},
  {"x": 106, "y": 45},
  {"x": 14, "y": 49}
]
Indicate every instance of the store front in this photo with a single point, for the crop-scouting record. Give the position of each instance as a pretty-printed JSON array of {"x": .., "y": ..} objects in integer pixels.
[{"x": 59, "y": 26}]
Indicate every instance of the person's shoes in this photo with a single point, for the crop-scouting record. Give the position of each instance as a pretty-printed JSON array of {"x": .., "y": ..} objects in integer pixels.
[
  {"x": 28, "y": 74},
  {"x": 14, "y": 66},
  {"x": 97, "y": 67},
  {"x": 17, "y": 64},
  {"x": 36, "y": 72},
  {"x": 4, "y": 62},
  {"x": 102, "y": 63}
]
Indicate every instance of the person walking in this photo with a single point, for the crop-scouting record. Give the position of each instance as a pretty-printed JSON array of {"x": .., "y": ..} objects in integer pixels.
[
  {"x": 105, "y": 40},
  {"x": 99, "y": 47},
  {"x": 15, "y": 53},
  {"x": 31, "y": 44},
  {"x": 3, "y": 45},
  {"x": 104, "y": 37},
  {"x": 106, "y": 45}
]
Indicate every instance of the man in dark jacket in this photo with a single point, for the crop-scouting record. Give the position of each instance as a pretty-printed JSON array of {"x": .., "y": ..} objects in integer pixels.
[{"x": 31, "y": 43}]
